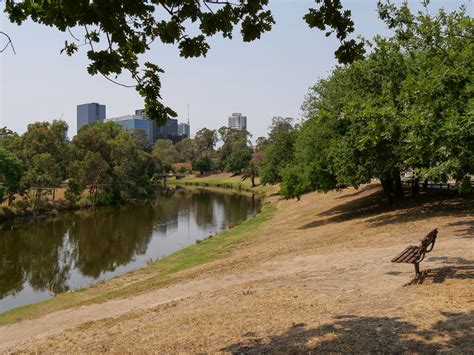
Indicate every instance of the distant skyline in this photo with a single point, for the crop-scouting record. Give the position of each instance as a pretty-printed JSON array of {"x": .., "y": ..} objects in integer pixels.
[{"x": 268, "y": 77}]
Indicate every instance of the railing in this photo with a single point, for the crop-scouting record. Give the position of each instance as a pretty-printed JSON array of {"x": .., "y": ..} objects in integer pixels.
[{"x": 436, "y": 185}]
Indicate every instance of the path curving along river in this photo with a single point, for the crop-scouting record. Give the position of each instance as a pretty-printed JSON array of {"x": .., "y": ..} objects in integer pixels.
[{"x": 41, "y": 259}]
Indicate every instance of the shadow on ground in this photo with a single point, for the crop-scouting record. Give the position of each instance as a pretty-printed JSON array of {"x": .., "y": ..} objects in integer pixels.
[
  {"x": 467, "y": 230},
  {"x": 373, "y": 207},
  {"x": 457, "y": 268},
  {"x": 352, "y": 334}
]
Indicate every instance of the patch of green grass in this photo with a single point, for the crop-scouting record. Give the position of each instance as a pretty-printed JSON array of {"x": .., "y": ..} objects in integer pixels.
[
  {"x": 234, "y": 183},
  {"x": 158, "y": 274}
]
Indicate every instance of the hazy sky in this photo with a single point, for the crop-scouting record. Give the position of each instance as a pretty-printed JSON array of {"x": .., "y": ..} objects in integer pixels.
[{"x": 262, "y": 79}]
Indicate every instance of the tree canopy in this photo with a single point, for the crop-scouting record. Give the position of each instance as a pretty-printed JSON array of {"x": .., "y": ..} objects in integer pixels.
[
  {"x": 117, "y": 33},
  {"x": 408, "y": 106}
]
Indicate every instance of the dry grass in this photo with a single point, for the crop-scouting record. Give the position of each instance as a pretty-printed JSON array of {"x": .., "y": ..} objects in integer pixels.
[{"x": 317, "y": 278}]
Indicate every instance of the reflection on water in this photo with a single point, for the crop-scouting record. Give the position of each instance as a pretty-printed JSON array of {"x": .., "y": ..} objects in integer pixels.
[{"x": 41, "y": 259}]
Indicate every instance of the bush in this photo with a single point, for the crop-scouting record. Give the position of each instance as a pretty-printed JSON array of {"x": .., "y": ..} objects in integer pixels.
[{"x": 104, "y": 198}]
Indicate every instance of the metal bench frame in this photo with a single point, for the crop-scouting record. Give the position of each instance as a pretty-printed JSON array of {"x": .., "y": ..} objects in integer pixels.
[{"x": 415, "y": 254}]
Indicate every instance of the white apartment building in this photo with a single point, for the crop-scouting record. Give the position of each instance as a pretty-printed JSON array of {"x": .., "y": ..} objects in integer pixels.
[{"x": 237, "y": 121}]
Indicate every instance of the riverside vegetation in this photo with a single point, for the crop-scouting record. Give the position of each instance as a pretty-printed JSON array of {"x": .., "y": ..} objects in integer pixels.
[{"x": 366, "y": 120}]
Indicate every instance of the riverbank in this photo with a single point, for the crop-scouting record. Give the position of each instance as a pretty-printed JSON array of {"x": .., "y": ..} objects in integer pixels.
[
  {"x": 313, "y": 276},
  {"x": 155, "y": 275},
  {"x": 227, "y": 181}
]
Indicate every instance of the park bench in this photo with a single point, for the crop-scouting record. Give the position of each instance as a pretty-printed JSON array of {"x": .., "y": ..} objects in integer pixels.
[{"x": 415, "y": 254}]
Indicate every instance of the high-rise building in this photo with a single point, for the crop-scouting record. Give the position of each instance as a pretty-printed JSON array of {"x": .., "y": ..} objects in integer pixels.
[
  {"x": 184, "y": 130},
  {"x": 237, "y": 121},
  {"x": 169, "y": 130},
  {"x": 140, "y": 121},
  {"x": 89, "y": 114},
  {"x": 136, "y": 122}
]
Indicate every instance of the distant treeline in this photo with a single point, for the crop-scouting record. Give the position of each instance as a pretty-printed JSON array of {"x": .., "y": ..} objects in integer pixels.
[{"x": 104, "y": 163}]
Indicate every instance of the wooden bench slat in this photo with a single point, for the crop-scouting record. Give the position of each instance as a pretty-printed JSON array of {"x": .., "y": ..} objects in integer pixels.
[
  {"x": 411, "y": 256},
  {"x": 403, "y": 254}
]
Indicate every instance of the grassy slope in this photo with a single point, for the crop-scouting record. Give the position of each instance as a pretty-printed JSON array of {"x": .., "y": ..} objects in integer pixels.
[{"x": 151, "y": 277}]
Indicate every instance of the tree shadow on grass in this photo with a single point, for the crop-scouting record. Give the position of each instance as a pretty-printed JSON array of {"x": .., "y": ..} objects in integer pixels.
[
  {"x": 361, "y": 207},
  {"x": 359, "y": 191},
  {"x": 373, "y": 207},
  {"x": 456, "y": 268},
  {"x": 352, "y": 334}
]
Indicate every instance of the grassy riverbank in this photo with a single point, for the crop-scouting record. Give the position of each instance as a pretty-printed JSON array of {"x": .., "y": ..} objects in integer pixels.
[
  {"x": 229, "y": 182},
  {"x": 155, "y": 275},
  {"x": 308, "y": 275}
]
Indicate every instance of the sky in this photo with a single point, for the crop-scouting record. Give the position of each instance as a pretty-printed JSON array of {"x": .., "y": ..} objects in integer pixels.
[{"x": 261, "y": 79}]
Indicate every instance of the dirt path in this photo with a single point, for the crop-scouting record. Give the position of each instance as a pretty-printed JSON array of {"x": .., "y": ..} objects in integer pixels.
[{"x": 318, "y": 278}]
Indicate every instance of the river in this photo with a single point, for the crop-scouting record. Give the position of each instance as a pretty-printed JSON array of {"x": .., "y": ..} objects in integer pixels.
[{"x": 44, "y": 258}]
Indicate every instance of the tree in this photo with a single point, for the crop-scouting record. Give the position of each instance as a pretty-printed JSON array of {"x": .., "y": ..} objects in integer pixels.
[
  {"x": 280, "y": 125},
  {"x": 121, "y": 171},
  {"x": 115, "y": 42},
  {"x": 39, "y": 176},
  {"x": 250, "y": 172},
  {"x": 277, "y": 155},
  {"x": 260, "y": 143},
  {"x": 239, "y": 158},
  {"x": 205, "y": 140},
  {"x": 140, "y": 139},
  {"x": 10, "y": 175},
  {"x": 10, "y": 140},
  {"x": 73, "y": 192},
  {"x": 231, "y": 139},
  {"x": 93, "y": 172},
  {"x": 47, "y": 138},
  {"x": 399, "y": 109},
  {"x": 165, "y": 153},
  {"x": 203, "y": 165},
  {"x": 187, "y": 149}
]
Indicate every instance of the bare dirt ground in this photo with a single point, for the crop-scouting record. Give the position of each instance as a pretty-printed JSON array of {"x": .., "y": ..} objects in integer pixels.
[{"x": 318, "y": 277}]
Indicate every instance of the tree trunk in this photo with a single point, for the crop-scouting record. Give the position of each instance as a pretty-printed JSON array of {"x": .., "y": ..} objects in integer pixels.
[
  {"x": 398, "y": 188},
  {"x": 253, "y": 181},
  {"x": 387, "y": 185},
  {"x": 415, "y": 187},
  {"x": 425, "y": 184},
  {"x": 54, "y": 193}
]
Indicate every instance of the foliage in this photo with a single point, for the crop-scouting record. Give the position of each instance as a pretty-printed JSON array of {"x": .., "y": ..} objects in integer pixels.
[
  {"x": 39, "y": 176},
  {"x": 10, "y": 174},
  {"x": 250, "y": 172},
  {"x": 277, "y": 155},
  {"x": 108, "y": 162},
  {"x": 115, "y": 42},
  {"x": 279, "y": 125},
  {"x": 205, "y": 140},
  {"x": 73, "y": 192},
  {"x": 187, "y": 149},
  {"x": 239, "y": 158},
  {"x": 203, "y": 165},
  {"x": 407, "y": 106},
  {"x": 165, "y": 154},
  {"x": 46, "y": 138}
]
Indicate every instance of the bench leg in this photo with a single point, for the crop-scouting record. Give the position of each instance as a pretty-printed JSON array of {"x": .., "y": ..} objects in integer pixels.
[{"x": 417, "y": 269}]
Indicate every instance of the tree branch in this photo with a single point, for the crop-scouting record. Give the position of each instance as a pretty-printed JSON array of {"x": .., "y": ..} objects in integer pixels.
[{"x": 9, "y": 42}]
